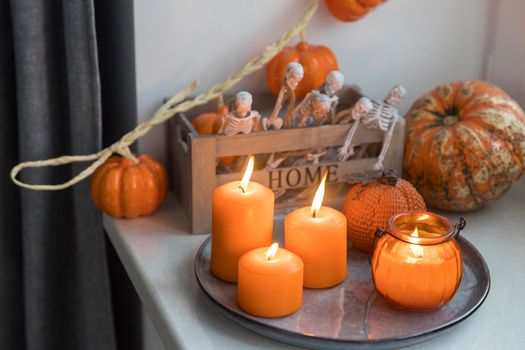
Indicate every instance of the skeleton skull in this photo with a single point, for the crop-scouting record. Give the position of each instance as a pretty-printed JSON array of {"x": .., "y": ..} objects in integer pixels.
[
  {"x": 396, "y": 95},
  {"x": 294, "y": 74},
  {"x": 362, "y": 108},
  {"x": 333, "y": 82},
  {"x": 243, "y": 102}
]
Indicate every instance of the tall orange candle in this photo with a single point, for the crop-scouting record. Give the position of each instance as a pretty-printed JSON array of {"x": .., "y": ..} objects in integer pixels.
[
  {"x": 242, "y": 220},
  {"x": 270, "y": 282},
  {"x": 318, "y": 235}
]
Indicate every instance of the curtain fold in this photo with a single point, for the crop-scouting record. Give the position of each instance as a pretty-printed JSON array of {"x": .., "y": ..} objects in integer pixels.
[{"x": 55, "y": 291}]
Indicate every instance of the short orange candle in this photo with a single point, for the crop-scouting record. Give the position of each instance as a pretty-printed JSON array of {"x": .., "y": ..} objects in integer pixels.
[
  {"x": 417, "y": 262},
  {"x": 242, "y": 220},
  {"x": 270, "y": 282},
  {"x": 318, "y": 235}
]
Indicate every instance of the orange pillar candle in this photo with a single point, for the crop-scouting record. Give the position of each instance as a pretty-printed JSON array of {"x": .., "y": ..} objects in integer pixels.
[
  {"x": 242, "y": 220},
  {"x": 318, "y": 235},
  {"x": 270, "y": 282}
]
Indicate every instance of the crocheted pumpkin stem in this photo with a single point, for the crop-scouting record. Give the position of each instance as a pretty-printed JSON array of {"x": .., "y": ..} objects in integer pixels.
[{"x": 388, "y": 177}]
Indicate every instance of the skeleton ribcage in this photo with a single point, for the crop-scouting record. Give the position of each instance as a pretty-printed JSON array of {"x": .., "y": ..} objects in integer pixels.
[
  {"x": 380, "y": 117},
  {"x": 234, "y": 125}
]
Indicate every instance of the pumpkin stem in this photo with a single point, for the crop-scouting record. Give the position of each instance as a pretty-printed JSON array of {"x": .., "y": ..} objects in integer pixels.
[
  {"x": 126, "y": 153},
  {"x": 388, "y": 177},
  {"x": 302, "y": 36}
]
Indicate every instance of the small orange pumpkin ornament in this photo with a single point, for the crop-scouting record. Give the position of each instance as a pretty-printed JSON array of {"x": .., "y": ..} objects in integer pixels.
[
  {"x": 121, "y": 188},
  {"x": 465, "y": 145},
  {"x": 369, "y": 205},
  {"x": 351, "y": 10},
  {"x": 317, "y": 61},
  {"x": 210, "y": 123}
]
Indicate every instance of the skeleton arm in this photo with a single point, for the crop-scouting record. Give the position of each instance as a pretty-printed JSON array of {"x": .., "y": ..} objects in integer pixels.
[
  {"x": 360, "y": 110},
  {"x": 342, "y": 116},
  {"x": 255, "y": 118},
  {"x": 273, "y": 120},
  {"x": 333, "y": 107},
  {"x": 347, "y": 150},
  {"x": 386, "y": 143},
  {"x": 296, "y": 110}
]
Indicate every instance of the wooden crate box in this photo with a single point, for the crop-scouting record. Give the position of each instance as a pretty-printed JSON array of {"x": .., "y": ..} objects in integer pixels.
[{"x": 194, "y": 158}]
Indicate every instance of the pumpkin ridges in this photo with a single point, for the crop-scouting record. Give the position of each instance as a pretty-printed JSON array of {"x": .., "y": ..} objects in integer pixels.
[
  {"x": 160, "y": 175},
  {"x": 152, "y": 188},
  {"x": 109, "y": 198},
  {"x": 97, "y": 178},
  {"x": 489, "y": 149},
  {"x": 131, "y": 192}
]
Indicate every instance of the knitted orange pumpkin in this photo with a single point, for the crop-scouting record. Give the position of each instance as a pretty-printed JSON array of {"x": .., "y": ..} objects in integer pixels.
[
  {"x": 465, "y": 145},
  {"x": 317, "y": 62},
  {"x": 350, "y": 10},
  {"x": 121, "y": 188},
  {"x": 369, "y": 205}
]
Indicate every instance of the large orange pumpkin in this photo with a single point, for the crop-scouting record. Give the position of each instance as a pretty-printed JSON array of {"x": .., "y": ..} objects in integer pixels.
[
  {"x": 317, "y": 62},
  {"x": 350, "y": 10},
  {"x": 371, "y": 204},
  {"x": 465, "y": 145},
  {"x": 121, "y": 188}
]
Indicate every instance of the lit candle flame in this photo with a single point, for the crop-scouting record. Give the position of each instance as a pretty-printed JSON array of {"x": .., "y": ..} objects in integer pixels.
[
  {"x": 318, "y": 198},
  {"x": 247, "y": 174},
  {"x": 416, "y": 249},
  {"x": 270, "y": 253}
]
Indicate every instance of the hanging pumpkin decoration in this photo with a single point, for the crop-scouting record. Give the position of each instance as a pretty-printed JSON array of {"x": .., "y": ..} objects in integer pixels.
[
  {"x": 121, "y": 188},
  {"x": 370, "y": 204},
  {"x": 465, "y": 145},
  {"x": 317, "y": 61},
  {"x": 351, "y": 10}
]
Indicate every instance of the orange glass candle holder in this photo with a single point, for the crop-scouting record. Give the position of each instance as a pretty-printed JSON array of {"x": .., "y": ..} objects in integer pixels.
[
  {"x": 416, "y": 263},
  {"x": 270, "y": 282}
]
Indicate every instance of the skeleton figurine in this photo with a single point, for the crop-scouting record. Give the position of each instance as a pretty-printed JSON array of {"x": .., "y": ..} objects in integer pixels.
[
  {"x": 293, "y": 75},
  {"x": 375, "y": 115},
  {"x": 320, "y": 104},
  {"x": 242, "y": 119}
]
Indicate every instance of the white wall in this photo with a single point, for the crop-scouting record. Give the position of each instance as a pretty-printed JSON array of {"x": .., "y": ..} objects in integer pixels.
[
  {"x": 506, "y": 59},
  {"x": 418, "y": 43}
]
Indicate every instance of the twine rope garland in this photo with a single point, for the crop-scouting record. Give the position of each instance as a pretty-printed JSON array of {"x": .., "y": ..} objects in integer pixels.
[{"x": 165, "y": 112}]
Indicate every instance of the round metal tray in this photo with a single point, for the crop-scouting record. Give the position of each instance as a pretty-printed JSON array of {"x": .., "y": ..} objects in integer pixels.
[{"x": 352, "y": 314}]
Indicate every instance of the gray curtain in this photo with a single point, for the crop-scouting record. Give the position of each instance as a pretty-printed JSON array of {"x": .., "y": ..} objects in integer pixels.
[{"x": 54, "y": 286}]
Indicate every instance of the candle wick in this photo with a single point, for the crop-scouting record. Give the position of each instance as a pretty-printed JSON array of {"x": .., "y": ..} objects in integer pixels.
[{"x": 242, "y": 188}]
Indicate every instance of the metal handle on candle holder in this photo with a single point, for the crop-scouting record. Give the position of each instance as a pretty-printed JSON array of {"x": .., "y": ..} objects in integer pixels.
[
  {"x": 459, "y": 227},
  {"x": 378, "y": 234}
]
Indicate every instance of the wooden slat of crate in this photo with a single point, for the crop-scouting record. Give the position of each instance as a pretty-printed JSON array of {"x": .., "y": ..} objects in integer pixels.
[
  {"x": 292, "y": 140},
  {"x": 264, "y": 176}
]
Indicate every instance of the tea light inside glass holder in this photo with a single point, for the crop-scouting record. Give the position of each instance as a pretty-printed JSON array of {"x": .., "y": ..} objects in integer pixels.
[{"x": 416, "y": 263}]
